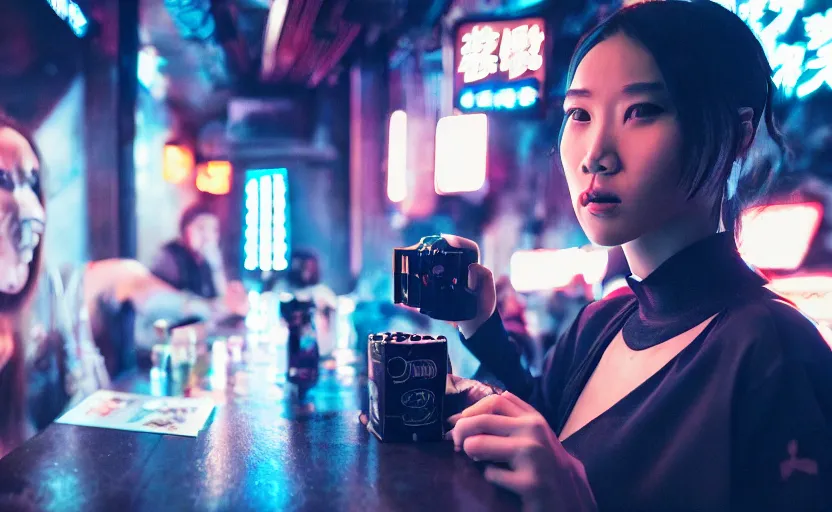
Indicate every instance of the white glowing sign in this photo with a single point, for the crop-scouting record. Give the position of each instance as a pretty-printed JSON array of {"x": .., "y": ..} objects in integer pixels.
[
  {"x": 485, "y": 51},
  {"x": 266, "y": 219},
  {"x": 461, "y": 153},
  {"x": 69, "y": 11},
  {"x": 811, "y": 293},
  {"x": 803, "y": 65},
  {"x": 550, "y": 269}
]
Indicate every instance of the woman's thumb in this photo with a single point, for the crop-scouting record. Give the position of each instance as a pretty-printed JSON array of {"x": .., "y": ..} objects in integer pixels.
[{"x": 478, "y": 276}]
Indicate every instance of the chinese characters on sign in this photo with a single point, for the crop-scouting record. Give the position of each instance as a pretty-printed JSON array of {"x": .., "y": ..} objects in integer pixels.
[
  {"x": 499, "y": 65},
  {"x": 520, "y": 50},
  {"x": 802, "y": 65},
  {"x": 478, "y": 57},
  {"x": 818, "y": 29}
]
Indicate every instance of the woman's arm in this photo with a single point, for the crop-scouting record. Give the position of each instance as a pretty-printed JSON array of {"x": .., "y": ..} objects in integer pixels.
[{"x": 498, "y": 354}]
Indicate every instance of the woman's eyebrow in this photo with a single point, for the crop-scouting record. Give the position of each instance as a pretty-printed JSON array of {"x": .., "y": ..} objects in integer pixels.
[
  {"x": 578, "y": 93},
  {"x": 643, "y": 87}
]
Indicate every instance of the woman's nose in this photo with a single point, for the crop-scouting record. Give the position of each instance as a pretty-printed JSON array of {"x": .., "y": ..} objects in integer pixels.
[
  {"x": 29, "y": 205},
  {"x": 607, "y": 163}
]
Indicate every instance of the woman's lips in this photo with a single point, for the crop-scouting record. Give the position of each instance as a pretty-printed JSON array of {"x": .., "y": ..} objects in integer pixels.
[
  {"x": 600, "y": 203},
  {"x": 602, "y": 209}
]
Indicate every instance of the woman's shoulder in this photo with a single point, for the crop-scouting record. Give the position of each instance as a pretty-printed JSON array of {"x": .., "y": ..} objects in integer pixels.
[
  {"x": 779, "y": 325},
  {"x": 768, "y": 337}
]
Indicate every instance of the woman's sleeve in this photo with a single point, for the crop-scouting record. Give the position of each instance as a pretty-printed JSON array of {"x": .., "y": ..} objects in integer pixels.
[
  {"x": 783, "y": 437},
  {"x": 492, "y": 346}
]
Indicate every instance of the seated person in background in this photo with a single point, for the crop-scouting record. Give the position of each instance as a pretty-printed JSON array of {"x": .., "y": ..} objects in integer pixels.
[
  {"x": 193, "y": 262},
  {"x": 303, "y": 280},
  {"x": 103, "y": 289}
]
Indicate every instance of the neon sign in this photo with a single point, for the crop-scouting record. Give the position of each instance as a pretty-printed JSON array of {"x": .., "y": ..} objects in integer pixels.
[
  {"x": 266, "y": 235},
  {"x": 803, "y": 64},
  {"x": 69, "y": 11},
  {"x": 499, "y": 65}
]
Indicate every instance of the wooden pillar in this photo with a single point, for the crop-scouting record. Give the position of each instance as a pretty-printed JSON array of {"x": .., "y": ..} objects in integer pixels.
[
  {"x": 369, "y": 227},
  {"x": 111, "y": 81}
]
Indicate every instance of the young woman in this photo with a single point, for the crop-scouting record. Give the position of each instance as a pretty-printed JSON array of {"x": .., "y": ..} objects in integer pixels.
[
  {"x": 22, "y": 221},
  {"x": 701, "y": 390}
]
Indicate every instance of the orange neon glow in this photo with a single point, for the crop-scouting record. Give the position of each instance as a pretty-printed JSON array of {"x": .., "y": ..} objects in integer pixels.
[
  {"x": 177, "y": 163},
  {"x": 214, "y": 177},
  {"x": 778, "y": 236}
]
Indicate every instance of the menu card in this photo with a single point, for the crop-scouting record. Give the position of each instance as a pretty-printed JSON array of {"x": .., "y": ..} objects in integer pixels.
[{"x": 141, "y": 413}]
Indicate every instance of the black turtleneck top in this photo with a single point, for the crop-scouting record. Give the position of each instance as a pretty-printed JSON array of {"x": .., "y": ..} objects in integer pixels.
[{"x": 740, "y": 419}]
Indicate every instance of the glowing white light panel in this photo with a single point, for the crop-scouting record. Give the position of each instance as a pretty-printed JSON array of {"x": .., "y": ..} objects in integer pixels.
[{"x": 266, "y": 220}]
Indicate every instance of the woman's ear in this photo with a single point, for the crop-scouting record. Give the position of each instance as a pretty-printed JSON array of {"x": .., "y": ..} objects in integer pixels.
[{"x": 746, "y": 129}]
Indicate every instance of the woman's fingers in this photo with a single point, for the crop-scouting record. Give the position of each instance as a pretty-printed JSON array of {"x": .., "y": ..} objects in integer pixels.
[
  {"x": 494, "y": 404},
  {"x": 491, "y": 448},
  {"x": 483, "y": 424},
  {"x": 514, "y": 399}
]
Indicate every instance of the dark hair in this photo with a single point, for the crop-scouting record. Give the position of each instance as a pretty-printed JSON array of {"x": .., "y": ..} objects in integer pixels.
[
  {"x": 191, "y": 213},
  {"x": 712, "y": 65}
]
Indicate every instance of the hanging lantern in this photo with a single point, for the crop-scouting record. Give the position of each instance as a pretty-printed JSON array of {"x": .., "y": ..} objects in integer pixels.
[
  {"x": 177, "y": 163},
  {"x": 214, "y": 177}
]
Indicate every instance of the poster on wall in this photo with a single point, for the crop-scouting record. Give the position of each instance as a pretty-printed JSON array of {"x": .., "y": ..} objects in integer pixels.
[{"x": 499, "y": 65}]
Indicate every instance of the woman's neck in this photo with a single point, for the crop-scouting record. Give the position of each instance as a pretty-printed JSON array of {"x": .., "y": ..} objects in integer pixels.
[{"x": 647, "y": 252}]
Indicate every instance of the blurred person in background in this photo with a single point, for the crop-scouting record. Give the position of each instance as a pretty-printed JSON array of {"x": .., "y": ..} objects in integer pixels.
[
  {"x": 303, "y": 281},
  {"x": 193, "y": 261},
  {"x": 22, "y": 224},
  {"x": 43, "y": 367},
  {"x": 99, "y": 293}
]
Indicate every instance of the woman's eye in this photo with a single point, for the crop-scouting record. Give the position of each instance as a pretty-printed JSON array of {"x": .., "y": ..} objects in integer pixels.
[
  {"x": 34, "y": 182},
  {"x": 578, "y": 114},
  {"x": 643, "y": 111},
  {"x": 6, "y": 181}
]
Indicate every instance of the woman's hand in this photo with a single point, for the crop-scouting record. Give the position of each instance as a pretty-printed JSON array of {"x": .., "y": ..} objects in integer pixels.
[
  {"x": 481, "y": 282},
  {"x": 504, "y": 429}
]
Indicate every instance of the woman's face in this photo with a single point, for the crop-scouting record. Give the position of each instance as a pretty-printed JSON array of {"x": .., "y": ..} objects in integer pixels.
[
  {"x": 621, "y": 144},
  {"x": 203, "y": 233},
  {"x": 22, "y": 217}
]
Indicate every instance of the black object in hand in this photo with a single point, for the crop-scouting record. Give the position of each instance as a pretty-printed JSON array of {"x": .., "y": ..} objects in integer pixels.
[{"x": 433, "y": 277}]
